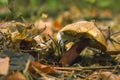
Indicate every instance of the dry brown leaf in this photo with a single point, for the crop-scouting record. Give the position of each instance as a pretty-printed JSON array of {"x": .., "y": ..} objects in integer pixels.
[
  {"x": 103, "y": 76},
  {"x": 11, "y": 26},
  {"x": 7, "y": 25},
  {"x": 4, "y": 65},
  {"x": 15, "y": 76},
  {"x": 43, "y": 68},
  {"x": 113, "y": 39},
  {"x": 40, "y": 24},
  {"x": 113, "y": 47},
  {"x": 108, "y": 76},
  {"x": 16, "y": 36}
]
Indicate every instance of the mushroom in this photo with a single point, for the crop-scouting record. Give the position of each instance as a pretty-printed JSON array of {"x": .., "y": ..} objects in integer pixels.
[{"x": 83, "y": 34}]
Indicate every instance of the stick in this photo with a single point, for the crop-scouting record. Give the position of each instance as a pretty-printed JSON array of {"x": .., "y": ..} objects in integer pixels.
[{"x": 87, "y": 68}]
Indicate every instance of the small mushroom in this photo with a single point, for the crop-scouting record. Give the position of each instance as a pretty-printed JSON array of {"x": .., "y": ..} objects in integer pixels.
[{"x": 83, "y": 34}]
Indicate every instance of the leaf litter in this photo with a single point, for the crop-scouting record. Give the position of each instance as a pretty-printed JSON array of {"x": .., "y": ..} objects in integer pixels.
[{"x": 18, "y": 42}]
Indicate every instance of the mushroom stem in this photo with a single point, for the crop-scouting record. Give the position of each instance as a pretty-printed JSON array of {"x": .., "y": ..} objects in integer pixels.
[{"x": 73, "y": 53}]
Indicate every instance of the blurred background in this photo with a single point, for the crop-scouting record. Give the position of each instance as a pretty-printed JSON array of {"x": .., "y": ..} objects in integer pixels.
[{"x": 61, "y": 11}]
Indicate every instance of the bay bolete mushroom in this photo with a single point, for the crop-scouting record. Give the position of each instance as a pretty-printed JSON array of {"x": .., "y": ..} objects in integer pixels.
[{"x": 83, "y": 34}]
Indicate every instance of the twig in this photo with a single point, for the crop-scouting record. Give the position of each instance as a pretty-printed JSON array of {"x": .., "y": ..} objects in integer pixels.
[
  {"x": 27, "y": 50},
  {"x": 116, "y": 33},
  {"x": 112, "y": 40},
  {"x": 42, "y": 74},
  {"x": 86, "y": 68},
  {"x": 27, "y": 66}
]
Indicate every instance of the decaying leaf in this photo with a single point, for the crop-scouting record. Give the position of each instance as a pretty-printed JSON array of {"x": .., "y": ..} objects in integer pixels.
[
  {"x": 42, "y": 68},
  {"x": 82, "y": 33},
  {"x": 113, "y": 39},
  {"x": 20, "y": 32},
  {"x": 113, "y": 44},
  {"x": 16, "y": 36},
  {"x": 15, "y": 76},
  {"x": 48, "y": 23},
  {"x": 103, "y": 76},
  {"x": 118, "y": 58},
  {"x": 4, "y": 66},
  {"x": 6, "y": 25}
]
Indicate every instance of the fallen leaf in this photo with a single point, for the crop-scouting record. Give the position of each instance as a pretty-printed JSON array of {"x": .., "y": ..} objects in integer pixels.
[
  {"x": 43, "y": 68},
  {"x": 112, "y": 39},
  {"x": 113, "y": 45},
  {"x": 40, "y": 24},
  {"x": 103, "y": 76},
  {"x": 117, "y": 58},
  {"x": 15, "y": 76},
  {"x": 109, "y": 76},
  {"x": 9, "y": 24},
  {"x": 16, "y": 36},
  {"x": 4, "y": 66}
]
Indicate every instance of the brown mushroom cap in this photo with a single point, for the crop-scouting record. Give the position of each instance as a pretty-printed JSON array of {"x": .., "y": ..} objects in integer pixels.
[{"x": 81, "y": 31}]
